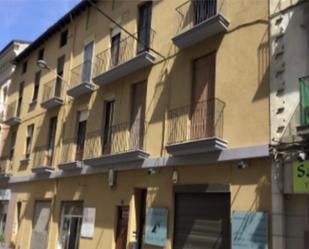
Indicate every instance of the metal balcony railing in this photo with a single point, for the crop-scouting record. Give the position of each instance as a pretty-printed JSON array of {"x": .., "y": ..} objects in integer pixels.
[
  {"x": 122, "y": 137},
  {"x": 196, "y": 121},
  {"x": 42, "y": 157},
  {"x": 13, "y": 110},
  {"x": 127, "y": 49},
  {"x": 81, "y": 74},
  {"x": 193, "y": 12},
  {"x": 52, "y": 88},
  {"x": 68, "y": 151},
  {"x": 4, "y": 165}
]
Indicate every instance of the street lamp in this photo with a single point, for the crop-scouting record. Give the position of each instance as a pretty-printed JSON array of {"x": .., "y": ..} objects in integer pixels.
[{"x": 42, "y": 64}]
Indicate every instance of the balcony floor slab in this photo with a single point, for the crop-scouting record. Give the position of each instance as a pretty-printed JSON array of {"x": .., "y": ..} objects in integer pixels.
[
  {"x": 12, "y": 121},
  {"x": 81, "y": 89},
  {"x": 74, "y": 165},
  {"x": 210, "y": 27},
  {"x": 42, "y": 169},
  {"x": 199, "y": 146},
  {"x": 52, "y": 103},
  {"x": 140, "y": 61},
  {"x": 122, "y": 157}
]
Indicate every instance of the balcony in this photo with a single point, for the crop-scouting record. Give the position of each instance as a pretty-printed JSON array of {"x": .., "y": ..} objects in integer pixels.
[
  {"x": 124, "y": 143},
  {"x": 199, "y": 20},
  {"x": 81, "y": 82},
  {"x": 13, "y": 113},
  {"x": 5, "y": 168},
  {"x": 127, "y": 57},
  {"x": 71, "y": 157},
  {"x": 195, "y": 129},
  {"x": 43, "y": 160},
  {"x": 52, "y": 94}
]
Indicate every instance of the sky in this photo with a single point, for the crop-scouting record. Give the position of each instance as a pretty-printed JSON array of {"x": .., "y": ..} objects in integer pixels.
[{"x": 28, "y": 19}]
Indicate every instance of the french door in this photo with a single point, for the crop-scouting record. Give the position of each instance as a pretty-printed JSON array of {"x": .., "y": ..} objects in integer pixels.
[
  {"x": 202, "y": 98},
  {"x": 87, "y": 62}
]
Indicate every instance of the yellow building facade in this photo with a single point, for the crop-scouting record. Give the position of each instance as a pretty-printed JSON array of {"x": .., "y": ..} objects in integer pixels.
[{"x": 130, "y": 116}]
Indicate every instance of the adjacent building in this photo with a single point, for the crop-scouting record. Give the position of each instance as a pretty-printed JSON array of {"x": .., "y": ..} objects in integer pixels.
[
  {"x": 289, "y": 81},
  {"x": 7, "y": 55},
  {"x": 140, "y": 124}
]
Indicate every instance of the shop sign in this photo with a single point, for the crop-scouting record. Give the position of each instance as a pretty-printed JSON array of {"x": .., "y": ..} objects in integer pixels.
[
  {"x": 156, "y": 226},
  {"x": 249, "y": 230},
  {"x": 300, "y": 177},
  {"x": 5, "y": 194},
  {"x": 87, "y": 229}
]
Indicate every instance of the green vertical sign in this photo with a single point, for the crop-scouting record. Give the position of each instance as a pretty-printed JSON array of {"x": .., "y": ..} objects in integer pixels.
[
  {"x": 301, "y": 177},
  {"x": 304, "y": 101}
]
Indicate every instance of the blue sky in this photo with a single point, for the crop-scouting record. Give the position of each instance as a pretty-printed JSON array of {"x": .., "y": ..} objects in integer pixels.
[{"x": 28, "y": 19}]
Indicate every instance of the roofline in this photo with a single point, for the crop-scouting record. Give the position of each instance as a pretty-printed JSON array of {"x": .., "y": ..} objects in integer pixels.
[
  {"x": 6, "y": 47},
  {"x": 75, "y": 11}
]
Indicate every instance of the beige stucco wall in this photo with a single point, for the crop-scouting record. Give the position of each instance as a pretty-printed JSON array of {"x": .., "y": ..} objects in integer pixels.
[
  {"x": 249, "y": 192},
  {"x": 241, "y": 77}
]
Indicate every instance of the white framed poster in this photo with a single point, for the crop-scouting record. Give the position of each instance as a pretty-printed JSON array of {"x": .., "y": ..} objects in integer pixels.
[{"x": 88, "y": 224}]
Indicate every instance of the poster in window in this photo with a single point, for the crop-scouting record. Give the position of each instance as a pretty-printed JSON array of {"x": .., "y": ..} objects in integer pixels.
[{"x": 87, "y": 230}]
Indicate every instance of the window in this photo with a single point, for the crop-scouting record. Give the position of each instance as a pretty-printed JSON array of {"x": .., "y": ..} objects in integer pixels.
[
  {"x": 63, "y": 38},
  {"x": 144, "y": 26},
  {"x": 81, "y": 134},
  {"x": 51, "y": 139},
  {"x": 36, "y": 86},
  {"x": 20, "y": 98},
  {"x": 30, "y": 129},
  {"x": 70, "y": 224},
  {"x": 60, "y": 67},
  {"x": 12, "y": 145},
  {"x": 24, "y": 68},
  {"x": 88, "y": 53},
  {"x": 108, "y": 122},
  {"x": 41, "y": 54},
  {"x": 115, "y": 42}
]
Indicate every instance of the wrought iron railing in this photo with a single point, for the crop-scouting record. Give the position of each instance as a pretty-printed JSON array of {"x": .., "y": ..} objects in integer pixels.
[
  {"x": 194, "y": 12},
  {"x": 13, "y": 110},
  {"x": 81, "y": 74},
  {"x": 127, "y": 49},
  {"x": 43, "y": 156},
  {"x": 68, "y": 150},
  {"x": 52, "y": 88},
  {"x": 196, "y": 121},
  {"x": 119, "y": 138}
]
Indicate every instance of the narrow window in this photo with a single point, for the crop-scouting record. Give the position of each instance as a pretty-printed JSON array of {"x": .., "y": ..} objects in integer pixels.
[
  {"x": 115, "y": 42},
  {"x": 88, "y": 53},
  {"x": 144, "y": 26},
  {"x": 63, "y": 38},
  {"x": 51, "y": 140},
  {"x": 20, "y": 98},
  {"x": 108, "y": 122},
  {"x": 81, "y": 134},
  {"x": 41, "y": 54},
  {"x": 12, "y": 145},
  {"x": 30, "y": 129},
  {"x": 60, "y": 68},
  {"x": 36, "y": 86},
  {"x": 24, "y": 67}
]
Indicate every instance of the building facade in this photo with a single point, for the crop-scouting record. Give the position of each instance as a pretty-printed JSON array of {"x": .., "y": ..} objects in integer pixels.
[
  {"x": 7, "y": 55},
  {"x": 289, "y": 37},
  {"x": 142, "y": 124}
]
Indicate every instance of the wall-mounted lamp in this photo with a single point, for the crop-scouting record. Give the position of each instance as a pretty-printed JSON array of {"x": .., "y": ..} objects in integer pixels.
[
  {"x": 111, "y": 178},
  {"x": 151, "y": 171},
  {"x": 43, "y": 65},
  {"x": 175, "y": 176}
]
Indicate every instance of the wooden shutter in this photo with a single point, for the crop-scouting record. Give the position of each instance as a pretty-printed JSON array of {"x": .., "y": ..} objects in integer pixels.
[
  {"x": 202, "y": 101},
  {"x": 138, "y": 115}
]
